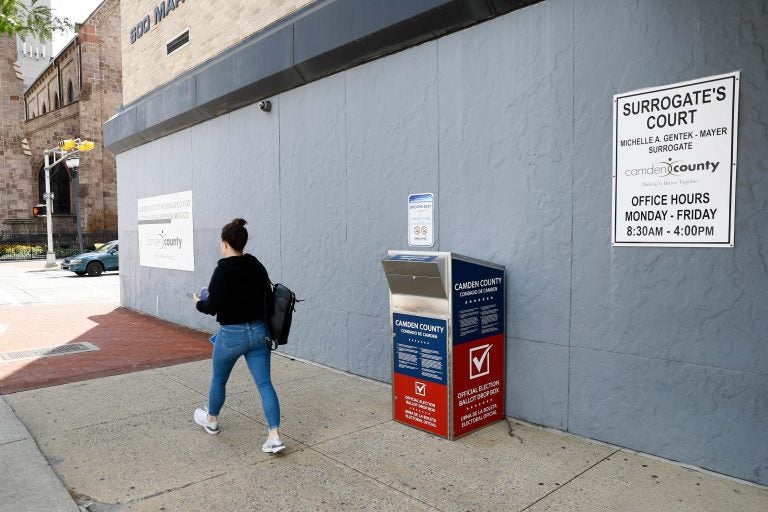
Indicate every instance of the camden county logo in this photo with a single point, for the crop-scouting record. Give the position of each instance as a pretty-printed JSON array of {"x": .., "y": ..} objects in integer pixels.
[
  {"x": 164, "y": 241},
  {"x": 672, "y": 168}
]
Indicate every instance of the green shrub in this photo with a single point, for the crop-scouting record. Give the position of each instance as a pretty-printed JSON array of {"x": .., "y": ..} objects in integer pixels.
[{"x": 21, "y": 251}]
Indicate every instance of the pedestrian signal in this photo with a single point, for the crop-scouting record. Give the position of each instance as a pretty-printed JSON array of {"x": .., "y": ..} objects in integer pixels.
[{"x": 38, "y": 210}]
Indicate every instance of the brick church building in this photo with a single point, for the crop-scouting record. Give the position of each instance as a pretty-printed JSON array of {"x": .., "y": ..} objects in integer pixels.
[{"x": 78, "y": 91}]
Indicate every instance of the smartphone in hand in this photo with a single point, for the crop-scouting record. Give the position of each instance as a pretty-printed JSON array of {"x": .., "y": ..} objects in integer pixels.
[{"x": 203, "y": 293}]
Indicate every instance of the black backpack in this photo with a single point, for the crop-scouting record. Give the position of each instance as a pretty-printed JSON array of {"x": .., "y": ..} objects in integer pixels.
[{"x": 279, "y": 305}]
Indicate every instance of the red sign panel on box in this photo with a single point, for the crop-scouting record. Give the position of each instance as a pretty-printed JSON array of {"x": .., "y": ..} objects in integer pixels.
[
  {"x": 478, "y": 383},
  {"x": 421, "y": 403}
]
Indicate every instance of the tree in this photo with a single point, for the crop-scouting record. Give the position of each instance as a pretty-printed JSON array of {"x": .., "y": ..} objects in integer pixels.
[{"x": 16, "y": 17}]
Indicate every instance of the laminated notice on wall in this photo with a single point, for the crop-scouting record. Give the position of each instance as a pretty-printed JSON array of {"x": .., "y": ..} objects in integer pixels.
[
  {"x": 166, "y": 231},
  {"x": 674, "y": 164},
  {"x": 421, "y": 220}
]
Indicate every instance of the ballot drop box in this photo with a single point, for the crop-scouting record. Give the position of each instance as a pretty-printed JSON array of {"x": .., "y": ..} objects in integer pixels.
[{"x": 447, "y": 326}]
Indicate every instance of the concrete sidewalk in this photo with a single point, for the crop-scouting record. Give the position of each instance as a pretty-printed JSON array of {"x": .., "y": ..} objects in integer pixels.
[
  {"x": 28, "y": 481},
  {"x": 128, "y": 442}
]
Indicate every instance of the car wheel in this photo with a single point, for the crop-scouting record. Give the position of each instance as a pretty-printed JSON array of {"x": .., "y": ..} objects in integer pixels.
[
  {"x": 80, "y": 273},
  {"x": 94, "y": 268}
]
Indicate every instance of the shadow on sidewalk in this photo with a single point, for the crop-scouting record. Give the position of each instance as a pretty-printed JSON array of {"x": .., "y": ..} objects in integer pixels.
[{"x": 127, "y": 341}]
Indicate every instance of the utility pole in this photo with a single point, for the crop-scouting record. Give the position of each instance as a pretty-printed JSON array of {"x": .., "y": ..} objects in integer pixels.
[
  {"x": 76, "y": 183},
  {"x": 69, "y": 151},
  {"x": 50, "y": 257}
]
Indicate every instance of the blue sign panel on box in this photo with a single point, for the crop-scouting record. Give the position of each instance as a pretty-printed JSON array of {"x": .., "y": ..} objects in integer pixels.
[
  {"x": 420, "y": 347},
  {"x": 478, "y": 301}
]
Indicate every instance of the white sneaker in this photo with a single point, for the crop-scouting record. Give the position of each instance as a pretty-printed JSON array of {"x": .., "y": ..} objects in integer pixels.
[
  {"x": 201, "y": 418},
  {"x": 273, "y": 446}
]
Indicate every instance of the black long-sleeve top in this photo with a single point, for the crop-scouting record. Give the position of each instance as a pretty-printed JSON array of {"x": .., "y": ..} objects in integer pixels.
[{"x": 236, "y": 291}]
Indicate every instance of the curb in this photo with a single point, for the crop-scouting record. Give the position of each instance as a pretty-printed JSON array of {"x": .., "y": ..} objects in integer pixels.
[{"x": 32, "y": 485}]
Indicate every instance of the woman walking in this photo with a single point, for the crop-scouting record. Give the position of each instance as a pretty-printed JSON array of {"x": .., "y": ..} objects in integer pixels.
[{"x": 236, "y": 297}]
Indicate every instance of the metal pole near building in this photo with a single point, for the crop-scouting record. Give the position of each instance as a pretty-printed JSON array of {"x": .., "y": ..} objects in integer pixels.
[
  {"x": 50, "y": 257},
  {"x": 77, "y": 208},
  {"x": 73, "y": 164}
]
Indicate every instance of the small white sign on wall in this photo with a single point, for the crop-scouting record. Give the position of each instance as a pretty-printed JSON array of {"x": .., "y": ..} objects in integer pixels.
[
  {"x": 674, "y": 164},
  {"x": 166, "y": 232},
  {"x": 421, "y": 220}
]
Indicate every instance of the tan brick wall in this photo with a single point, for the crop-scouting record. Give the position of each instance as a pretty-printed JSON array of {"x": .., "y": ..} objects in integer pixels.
[
  {"x": 16, "y": 199},
  {"x": 45, "y": 132},
  {"x": 214, "y": 26},
  {"x": 98, "y": 45},
  {"x": 44, "y": 89},
  {"x": 68, "y": 70},
  {"x": 100, "y": 97}
]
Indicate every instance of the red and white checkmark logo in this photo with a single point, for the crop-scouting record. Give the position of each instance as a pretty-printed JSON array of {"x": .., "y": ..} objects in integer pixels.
[
  {"x": 479, "y": 361},
  {"x": 421, "y": 389}
]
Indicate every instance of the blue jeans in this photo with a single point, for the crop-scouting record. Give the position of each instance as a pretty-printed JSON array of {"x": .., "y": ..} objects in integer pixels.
[{"x": 233, "y": 341}]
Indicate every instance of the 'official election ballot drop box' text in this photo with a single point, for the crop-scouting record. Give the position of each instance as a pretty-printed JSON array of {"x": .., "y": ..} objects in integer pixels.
[{"x": 447, "y": 320}]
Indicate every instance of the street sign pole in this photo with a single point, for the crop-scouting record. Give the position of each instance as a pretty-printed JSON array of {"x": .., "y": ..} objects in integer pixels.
[
  {"x": 76, "y": 183},
  {"x": 50, "y": 257}
]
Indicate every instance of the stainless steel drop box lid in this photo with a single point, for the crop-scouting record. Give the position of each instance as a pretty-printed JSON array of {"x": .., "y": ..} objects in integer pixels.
[{"x": 417, "y": 273}]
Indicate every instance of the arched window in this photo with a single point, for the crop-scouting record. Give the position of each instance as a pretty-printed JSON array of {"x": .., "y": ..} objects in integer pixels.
[
  {"x": 44, "y": 109},
  {"x": 56, "y": 100},
  {"x": 59, "y": 187},
  {"x": 70, "y": 92}
]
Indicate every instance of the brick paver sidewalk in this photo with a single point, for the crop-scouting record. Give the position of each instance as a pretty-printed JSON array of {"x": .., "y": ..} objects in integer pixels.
[{"x": 127, "y": 341}]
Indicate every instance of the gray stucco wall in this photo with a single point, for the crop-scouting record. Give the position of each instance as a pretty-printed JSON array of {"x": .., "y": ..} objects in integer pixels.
[{"x": 663, "y": 350}]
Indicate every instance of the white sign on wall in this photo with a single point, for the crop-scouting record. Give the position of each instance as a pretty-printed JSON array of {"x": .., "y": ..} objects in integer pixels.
[
  {"x": 165, "y": 231},
  {"x": 674, "y": 164},
  {"x": 421, "y": 220}
]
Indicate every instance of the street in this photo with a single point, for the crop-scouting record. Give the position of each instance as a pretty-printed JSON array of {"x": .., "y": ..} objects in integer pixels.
[{"x": 30, "y": 282}]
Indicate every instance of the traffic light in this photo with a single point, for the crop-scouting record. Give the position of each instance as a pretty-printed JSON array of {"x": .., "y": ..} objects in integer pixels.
[
  {"x": 67, "y": 145},
  {"x": 85, "y": 145},
  {"x": 38, "y": 210},
  {"x": 76, "y": 144}
]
